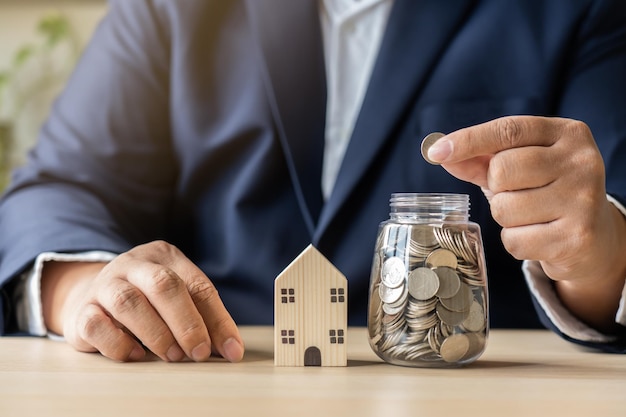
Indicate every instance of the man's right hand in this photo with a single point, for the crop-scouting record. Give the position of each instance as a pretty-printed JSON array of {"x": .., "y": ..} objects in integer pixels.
[{"x": 149, "y": 297}]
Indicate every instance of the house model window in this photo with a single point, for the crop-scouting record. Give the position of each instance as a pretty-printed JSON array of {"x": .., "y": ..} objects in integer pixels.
[
  {"x": 337, "y": 295},
  {"x": 287, "y": 337},
  {"x": 312, "y": 330},
  {"x": 336, "y": 336},
  {"x": 287, "y": 295}
]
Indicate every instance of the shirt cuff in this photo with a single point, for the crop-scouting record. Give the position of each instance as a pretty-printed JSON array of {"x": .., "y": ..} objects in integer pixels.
[
  {"x": 28, "y": 308},
  {"x": 542, "y": 289},
  {"x": 620, "y": 317}
]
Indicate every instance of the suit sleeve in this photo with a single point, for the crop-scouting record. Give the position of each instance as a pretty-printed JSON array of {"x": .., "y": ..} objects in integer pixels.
[
  {"x": 594, "y": 91},
  {"x": 594, "y": 87},
  {"x": 102, "y": 173}
]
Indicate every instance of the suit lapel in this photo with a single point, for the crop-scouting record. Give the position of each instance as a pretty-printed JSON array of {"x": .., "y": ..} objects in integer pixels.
[
  {"x": 416, "y": 34},
  {"x": 290, "y": 40}
]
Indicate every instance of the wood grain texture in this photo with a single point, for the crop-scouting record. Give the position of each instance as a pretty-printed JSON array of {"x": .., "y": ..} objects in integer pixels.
[
  {"x": 310, "y": 312},
  {"x": 522, "y": 373}
]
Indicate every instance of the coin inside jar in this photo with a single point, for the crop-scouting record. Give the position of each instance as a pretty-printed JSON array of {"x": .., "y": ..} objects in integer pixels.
[
  {"x": 454, "y": 347},
  {"x": 427, "y": 142},
  {"x": 449, "y": 282},
  {"x": 390, "y": 295},
  {"x": 461, "y": 301},
  {"x": 475, "y": 320},
  {"x": 393, "y": 272},
  {"x": 441, "y": 257},
  {"x": 423, "y": 283}
]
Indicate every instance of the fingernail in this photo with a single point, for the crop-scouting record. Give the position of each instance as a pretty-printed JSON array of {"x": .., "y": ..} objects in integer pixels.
[
  {"x": 233, "y": 350},
  {"x": 201, "y": 352},
  {"x": 137, "y": 354},
  {"x": 175, "y": 353},
  {"x": 440, "y": 151}
]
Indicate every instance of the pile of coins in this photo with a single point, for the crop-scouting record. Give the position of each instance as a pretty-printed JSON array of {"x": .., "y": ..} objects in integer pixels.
[{"x": 428, "y": 299}]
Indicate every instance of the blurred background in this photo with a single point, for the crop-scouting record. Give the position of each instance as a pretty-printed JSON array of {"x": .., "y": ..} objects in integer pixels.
[{"x": 40, "y": 42}]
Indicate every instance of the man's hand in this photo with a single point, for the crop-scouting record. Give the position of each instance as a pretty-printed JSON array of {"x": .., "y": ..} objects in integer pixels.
[
  {"x": 545, "y": 180},
  {"x": 151, "y": 296}
]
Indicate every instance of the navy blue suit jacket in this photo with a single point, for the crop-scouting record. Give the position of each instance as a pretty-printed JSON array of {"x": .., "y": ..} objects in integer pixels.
[{"x": 202, "y": 123}]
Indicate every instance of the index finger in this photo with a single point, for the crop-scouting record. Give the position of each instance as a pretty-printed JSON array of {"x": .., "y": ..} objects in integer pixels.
[
  {"x": 223, "y": 332},
  {"x": 222, "y": 329},
  {"x": 494, "y": 136}
]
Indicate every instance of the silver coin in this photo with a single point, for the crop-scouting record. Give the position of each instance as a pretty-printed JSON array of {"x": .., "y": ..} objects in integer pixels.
[
  {"x": 434, "y": 338},
  {"x": 390, "y": 321},
  {"x": 390, "y": 340},
  {"x": 418, "y": 308},
  {"x": 402, "y": 300},
  {"x": 454, "y": 347},
  {"x": 423, "y": 283},
  {"x": 477, "y": 342},
  {"x": 423, "y": 323},
  {"x": 442, "y": 257},
  {"x": 449, "y": 317},
  {"x": 392, "y": 310},
  {"x": 394, "y": 272},
  {"x": 461, "y": 301},
  {"x": 466, "y": 248},
  {"x": 449, "y": 282},
  {"x": 424, "y": 236},
  {"x": 427, "y": 142},
  {"x": 475, "y": 320},
  {"x": 414, "y": 337},
  {"x": 390, "y": 295},
  {"x": 471, "y": 275},
  {"x": 422, "y": 352}
]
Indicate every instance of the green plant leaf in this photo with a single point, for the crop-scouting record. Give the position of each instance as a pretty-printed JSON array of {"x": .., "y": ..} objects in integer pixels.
[
  {"x": 54, "y": 27},
  {"x": 23, "y": 54},
  {"x": 4, "y": 78}
]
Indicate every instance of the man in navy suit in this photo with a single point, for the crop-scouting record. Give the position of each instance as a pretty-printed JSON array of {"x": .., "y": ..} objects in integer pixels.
[{"x": 201, "y": 145}]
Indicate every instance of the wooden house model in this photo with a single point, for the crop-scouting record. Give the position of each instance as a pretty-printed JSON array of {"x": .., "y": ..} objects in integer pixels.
[{"x": 310, "y": 313}]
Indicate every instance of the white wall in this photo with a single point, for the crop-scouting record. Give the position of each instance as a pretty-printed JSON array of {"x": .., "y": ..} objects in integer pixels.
[{"x": 18, "y": 22}]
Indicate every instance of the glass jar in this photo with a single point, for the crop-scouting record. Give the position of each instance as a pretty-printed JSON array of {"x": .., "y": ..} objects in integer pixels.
[{"x": 428, "y": 287}]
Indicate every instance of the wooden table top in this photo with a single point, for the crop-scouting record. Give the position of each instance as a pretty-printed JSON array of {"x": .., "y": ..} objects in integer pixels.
[{"x": 522, "y": 373}]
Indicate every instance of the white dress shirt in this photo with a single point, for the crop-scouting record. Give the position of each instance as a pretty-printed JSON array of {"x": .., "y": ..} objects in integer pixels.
[{"x": 352, "y": 33}]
